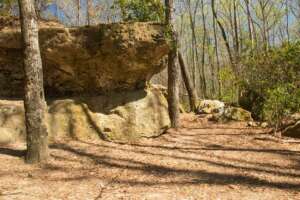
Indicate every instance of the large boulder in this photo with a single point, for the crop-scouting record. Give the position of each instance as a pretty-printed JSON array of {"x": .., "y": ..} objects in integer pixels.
[
  {"x": 290, "y": 126},
  {"x": 231, "y": 113},
  {"x": 96, "y": 80},
  {"x": 117, "y": 116},
  {"x": 210, "y": 107},
  {"x": 218, "y": 111},
  {"x": 237, "y": 114},
  {"x": 85, "y": 60}
]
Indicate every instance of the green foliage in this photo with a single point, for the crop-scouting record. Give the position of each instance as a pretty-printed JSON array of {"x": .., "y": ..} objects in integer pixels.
[
  {"x": 229, "y": 85},
  {"x": 270, "y": 82},
  {"x": 281, "y": 101},
  {"x": 140, "y": 10},
  {"x": 6, "y": 7}
]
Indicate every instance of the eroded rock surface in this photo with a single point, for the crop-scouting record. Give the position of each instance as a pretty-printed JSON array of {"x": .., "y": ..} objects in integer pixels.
[
  {"x": 100, "y": 75},
  {"x": 122, "y": 117},
  {"x": 90, "y": 60}
]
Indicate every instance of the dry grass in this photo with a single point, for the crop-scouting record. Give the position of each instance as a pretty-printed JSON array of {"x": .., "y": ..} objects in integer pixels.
[{"x": 201, "y": 161}]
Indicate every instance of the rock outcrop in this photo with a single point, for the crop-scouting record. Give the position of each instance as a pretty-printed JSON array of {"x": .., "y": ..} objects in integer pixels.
[
  {"x": 121, "y": 117},
  {"x": 291, "y": 126},
  {"x": 96, "y": 81},
  {"x": 210, "y": 107},
  {"x": 221, "y": 112},
  {"x": 90, "y": 60}
]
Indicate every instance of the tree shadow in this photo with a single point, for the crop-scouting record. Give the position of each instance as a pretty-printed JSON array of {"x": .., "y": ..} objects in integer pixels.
[
  {"x": 12, "y": 152},
  {"x": 166, "y": 174}
]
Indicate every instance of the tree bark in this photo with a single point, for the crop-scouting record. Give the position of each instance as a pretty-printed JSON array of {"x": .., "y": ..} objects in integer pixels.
[
  {"x": 34, "y": 100},
  {"x": 217, "y": 56},
  {"x": 188, "y": 83},
  {"x": 78, "y": 12},
  {"x": 88, "y": 12},
  {"x": 202, "y": 77},
  {"x": 249, "y": 18},
  {"x": 224, "y": 35},
  {"x": 173, "y": 71}
]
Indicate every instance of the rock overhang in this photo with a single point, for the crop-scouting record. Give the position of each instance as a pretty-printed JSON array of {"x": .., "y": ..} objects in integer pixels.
[
  {"x": 95, "y": 80},
  {"x": 91, "y": 59}
]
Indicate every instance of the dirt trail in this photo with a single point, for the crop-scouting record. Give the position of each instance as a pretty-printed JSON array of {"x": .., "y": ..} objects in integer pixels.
[{"x": 201, "y": 161}]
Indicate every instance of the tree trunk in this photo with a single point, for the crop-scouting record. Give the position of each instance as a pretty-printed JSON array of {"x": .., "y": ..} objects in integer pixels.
[
  {"x": 88, "y": 14},
  {"x": 194, "y": 49},
  {"x": 188, "y": 83},
  {"x": 217, "y": 56},
  {"x": 34, "y": 100},
  {"x": 173, "y": 71},
  {"x": 202, "y": 77},
  {"x": 249, "y": 18},
  {"x": 224, "y": 35},
  {"x": 78, "y": 12}
]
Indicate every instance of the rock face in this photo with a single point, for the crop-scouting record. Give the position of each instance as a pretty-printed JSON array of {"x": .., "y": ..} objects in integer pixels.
[
  {"x": 95, "y": 78},
  {"x": 291, "y": 126},
  {"x": 90, "y": 60},
  {"x": 121, "y": 117}
]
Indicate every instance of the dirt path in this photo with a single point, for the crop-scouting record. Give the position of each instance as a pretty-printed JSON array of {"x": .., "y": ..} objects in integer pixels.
[{"x": 200, "y": 161}]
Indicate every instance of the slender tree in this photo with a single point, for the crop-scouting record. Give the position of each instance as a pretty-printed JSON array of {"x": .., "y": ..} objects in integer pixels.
[
  {"x": 34, "y": 100},
  {"x": 173, "y": 71},
  {"x": 223, "y": 32},
  {"x": 78, "y": 12},
  {"x": 88, "y": 12},
  {"x": 188, "y": 83}
]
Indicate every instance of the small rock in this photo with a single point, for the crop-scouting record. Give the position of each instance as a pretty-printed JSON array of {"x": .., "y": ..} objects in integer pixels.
[
  {"x": 264, "y": 125},
  {"x": 252, "y": 124}
]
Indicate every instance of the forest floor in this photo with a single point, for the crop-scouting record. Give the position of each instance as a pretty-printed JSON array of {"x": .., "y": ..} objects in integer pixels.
[{"x": 203, "y": 160}]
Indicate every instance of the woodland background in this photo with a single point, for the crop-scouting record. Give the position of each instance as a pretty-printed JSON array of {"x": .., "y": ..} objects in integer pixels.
[{"x": 243, "y": 52}]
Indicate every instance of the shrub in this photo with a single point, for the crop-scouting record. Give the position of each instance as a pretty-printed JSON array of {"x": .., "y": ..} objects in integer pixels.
[
  {"x": 270, "y": 82},
  {"x": 140, "y": 10}
]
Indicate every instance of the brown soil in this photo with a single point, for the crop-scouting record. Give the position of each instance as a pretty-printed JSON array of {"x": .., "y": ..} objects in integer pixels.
[{"x": 200, "y": 161}]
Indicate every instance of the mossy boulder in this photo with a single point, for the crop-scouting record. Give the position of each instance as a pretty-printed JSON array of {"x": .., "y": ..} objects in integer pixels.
[
  {"x": 232, "y": 114},
  {"x": 237, "y": 114}
]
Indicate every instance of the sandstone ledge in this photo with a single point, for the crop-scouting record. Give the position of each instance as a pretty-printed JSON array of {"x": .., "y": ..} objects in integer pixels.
[{"x": 85, "y": 60}]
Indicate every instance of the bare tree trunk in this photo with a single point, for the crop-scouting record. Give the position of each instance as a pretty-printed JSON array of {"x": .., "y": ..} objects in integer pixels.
[
  {"x": 217, "y": 56},
  {"x": 287, "y": 21},
  {"x": 224, "y": 35},
  {"x": 78, "y": 12},
  {"x": 249, "y": 19},
  {"x": 88, "y": 14},
  {"x": 173, "y": 71},
  {"x": 195, "y": 55},
  {"x": 34, "y": 101},
  {"x": 236, "y": 31},
  {"x": 203, "y": 79},
  {"x": 188, "y": 83}
]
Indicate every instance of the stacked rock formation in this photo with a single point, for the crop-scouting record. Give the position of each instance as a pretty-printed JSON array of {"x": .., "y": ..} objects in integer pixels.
[{"x": 96, "y": 80}]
